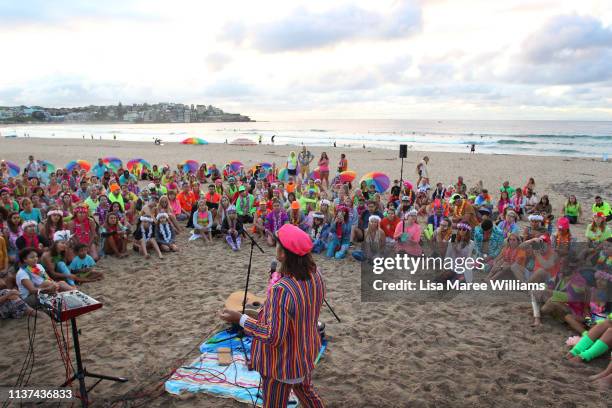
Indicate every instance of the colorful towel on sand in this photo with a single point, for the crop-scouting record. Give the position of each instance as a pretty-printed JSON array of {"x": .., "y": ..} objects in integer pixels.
[{"x": 204, "y": 374}]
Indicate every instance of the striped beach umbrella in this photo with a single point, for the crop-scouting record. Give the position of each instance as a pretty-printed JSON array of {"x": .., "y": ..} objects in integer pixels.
[
  {"x": 50, "y": 166},
  {"x": 347, "y": 176},
  {"x": 315, "y": 174},
  {"x": 113, "y": 162},
  {"x": 190, "y": 166},
  {"x": 194, "y": 141},
  {"x": 283, "y": 175},
  {"x": 137, "y": 163},
  {"x": 235, "y": 165},
  {"x": 82, "y": 164},
  {"x": 379, "y": 180},
  {"x": 13, "y": 169}
]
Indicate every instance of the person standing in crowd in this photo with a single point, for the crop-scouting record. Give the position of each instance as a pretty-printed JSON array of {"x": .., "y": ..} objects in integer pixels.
[
  {"x": 32, "y": 168},
  {"x": 305, "y": 157}
]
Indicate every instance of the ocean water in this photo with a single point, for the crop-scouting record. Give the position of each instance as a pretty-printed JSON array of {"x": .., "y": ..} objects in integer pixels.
[{"x": 556, "y": 138}]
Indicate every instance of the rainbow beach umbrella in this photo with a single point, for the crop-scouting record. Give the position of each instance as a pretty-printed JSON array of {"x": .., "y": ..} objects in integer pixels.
[
  {"x": 50, "y": 166},
  {"x": 190, "y": 165},
  {"x": 347, "y": 176},
  {"x": 13, "y": 169},
  {"x": 194, "y": 141},
  {"x": 266, "y": 165},
  {"x": 379, "y": 180},
  {"x": 113, "y": 162},
  {"x": 315, "y": 174},
  {"x": 137, "y": 163},
  {"x": 82, "y": 164},
  {"x": 283, "y": 175},
  {"x": 235, "y": 165}
]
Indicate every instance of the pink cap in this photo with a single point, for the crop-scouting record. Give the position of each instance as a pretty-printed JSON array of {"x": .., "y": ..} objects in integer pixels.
[
  {"x": 563, "y": 223},
  {"x": 294, "y": 239}
]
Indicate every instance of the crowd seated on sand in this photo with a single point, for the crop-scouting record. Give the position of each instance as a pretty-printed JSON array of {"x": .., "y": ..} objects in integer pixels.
[{"x": 57, "y": 225}]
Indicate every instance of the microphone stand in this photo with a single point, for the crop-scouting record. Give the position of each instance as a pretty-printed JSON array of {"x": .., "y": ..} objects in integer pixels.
[{"x": 246, "y": 289}]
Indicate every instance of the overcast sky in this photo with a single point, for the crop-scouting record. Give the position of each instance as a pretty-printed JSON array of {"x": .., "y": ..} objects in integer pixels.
[{"x": 472, "y": 59}]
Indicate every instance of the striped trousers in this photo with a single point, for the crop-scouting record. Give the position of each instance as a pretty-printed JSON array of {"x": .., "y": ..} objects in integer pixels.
[{"x": 276, "y": 393}]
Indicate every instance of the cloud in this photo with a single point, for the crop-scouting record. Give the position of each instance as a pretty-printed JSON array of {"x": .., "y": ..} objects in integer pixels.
[
  {"x": 73, "y": 91},
  {"x": 216, "y": 61},
  {"x": 233, "y": 88},
  {"x": 359, "y": 78},
  {"x": 14, "y": 13},
  {"x": 568, "y": 49},
  {"x": 307, "y": 30}
]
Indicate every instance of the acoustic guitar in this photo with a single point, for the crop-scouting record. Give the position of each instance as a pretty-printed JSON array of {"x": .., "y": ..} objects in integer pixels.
[{"x": 253, "y": 304}]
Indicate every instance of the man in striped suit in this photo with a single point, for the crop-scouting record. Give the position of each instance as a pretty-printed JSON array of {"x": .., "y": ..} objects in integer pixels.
[{"x": 286, "y": 340}]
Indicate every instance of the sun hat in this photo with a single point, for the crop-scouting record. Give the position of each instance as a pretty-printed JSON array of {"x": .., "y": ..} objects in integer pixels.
[
  {"x": 161, "y": 215},
  {"x": 485, "y": 210},
  {"x": 457, "y": 197},
  {"x": 294, "y": 240},
  {"x": 408, "y": 184},
  {"x": 231, "y": 209},
  {"x": 241, "y": 188},
  {"x": 405, "y": 198},
  {"x": 325, "y": 202},
  {"x": 318, "y": 215},
  {"x": 412, "y": 213},
  {"x": 145, "y": 218},
  {"x": 295, "y": 205},
  {"x": 114, "y": 187}
]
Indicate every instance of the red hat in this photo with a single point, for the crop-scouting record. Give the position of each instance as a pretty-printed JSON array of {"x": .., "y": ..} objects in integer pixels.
[
  {"x": 563, "y": 223},
  {"x": 600, "y": 214},
  {"x": 545, "y": 238},
  {"x": 294, "y": 239}
]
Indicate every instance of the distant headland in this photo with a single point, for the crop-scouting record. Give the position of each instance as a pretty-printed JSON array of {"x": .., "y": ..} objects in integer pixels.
[{"x": 162, "y": 112}]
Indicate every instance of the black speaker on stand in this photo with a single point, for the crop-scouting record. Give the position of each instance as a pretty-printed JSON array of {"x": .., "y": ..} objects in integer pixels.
[{"x": 403, "y": 153}]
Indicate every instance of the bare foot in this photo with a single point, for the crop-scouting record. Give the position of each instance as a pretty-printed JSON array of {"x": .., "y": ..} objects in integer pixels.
[
  {"x": 596, "y": 376},
  {"x": 604, "y": 383},
  {"x": 537, "y": 322},
  {"x": 575, "y": 360},
  {"x": 147, "y": 256}
]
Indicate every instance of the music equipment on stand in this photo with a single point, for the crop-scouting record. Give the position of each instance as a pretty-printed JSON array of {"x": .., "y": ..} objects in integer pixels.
[
  {"x": 246, "y": 290},
  {"x": 403, "y": 153},
  {"x": 65, "y": 306}
]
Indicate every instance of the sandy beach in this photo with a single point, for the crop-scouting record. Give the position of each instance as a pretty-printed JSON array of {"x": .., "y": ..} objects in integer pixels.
[{"x": 448, "y": 354}]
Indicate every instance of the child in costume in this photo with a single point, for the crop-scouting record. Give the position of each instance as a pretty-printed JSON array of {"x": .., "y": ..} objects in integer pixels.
[
  {"x": 233, "y": 229},
  {"x": 144, "y": 237},
  {"x": 84, "y": 232},
  {"x": 202, "y": 223},
  {"x": 165, "y": 233}
]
